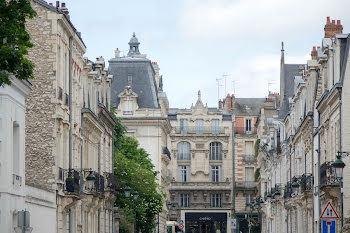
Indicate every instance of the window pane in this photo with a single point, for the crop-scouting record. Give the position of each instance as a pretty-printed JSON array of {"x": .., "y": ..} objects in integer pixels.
[
  {"x": 183, "y": 151},
  {"x": 215, "y": 151},
  {"x": 199, "y": 126}
]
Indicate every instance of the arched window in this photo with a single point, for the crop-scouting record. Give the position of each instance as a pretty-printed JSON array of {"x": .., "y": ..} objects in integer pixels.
[
  {"x": 183, "y": 151},
  {"x": 215, "y": 151}
]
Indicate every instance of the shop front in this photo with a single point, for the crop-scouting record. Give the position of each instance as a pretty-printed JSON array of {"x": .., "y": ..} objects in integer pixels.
[{"x": 205, "y": 222}]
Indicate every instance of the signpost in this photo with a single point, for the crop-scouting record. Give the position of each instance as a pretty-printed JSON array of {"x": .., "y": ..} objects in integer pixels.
[
  {"x": 329, "y": 217},
  {"x": 233, "y": 223}
]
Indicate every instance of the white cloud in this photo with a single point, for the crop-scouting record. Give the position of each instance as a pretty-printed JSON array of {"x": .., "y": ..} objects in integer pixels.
[{"x": 242, "y": 18}]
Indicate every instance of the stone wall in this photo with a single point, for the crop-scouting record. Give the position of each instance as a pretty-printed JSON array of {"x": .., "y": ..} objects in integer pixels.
[{"x": 40, "y": 103}]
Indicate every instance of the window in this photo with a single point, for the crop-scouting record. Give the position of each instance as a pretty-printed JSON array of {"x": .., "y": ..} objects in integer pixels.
[
  {"x": 215, "y": 151},
  {"x": 15, "y": 148},
  {"x": 248, "y": 199},
  {"x": 183, "y": 151},
  {"x": 183, "y": 126},
  {"x": 215, "y": 126},
  {"x": 249, "y": 175},
  {"x": 215, "y": 200},
  {"x": 128, "y": 106},
  {"x": 215, "y": 174},
  {"x": 248, "y": 125},
  {"x": 184, "y": 200},
  {"x": 199, "y": 126},
  {"x": 184, "y": 173},
  {"x": 129, "y": 79},
  {"x": 248, "y": 148}
]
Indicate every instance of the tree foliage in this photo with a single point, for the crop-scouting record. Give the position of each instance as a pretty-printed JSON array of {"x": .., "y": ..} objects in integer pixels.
[
  {"x": 15, "y": 40},
  {"x": 133, "y": 168}
]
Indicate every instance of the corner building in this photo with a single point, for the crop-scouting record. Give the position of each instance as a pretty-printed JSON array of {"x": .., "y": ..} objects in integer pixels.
[{"x": 200, "y": 192}]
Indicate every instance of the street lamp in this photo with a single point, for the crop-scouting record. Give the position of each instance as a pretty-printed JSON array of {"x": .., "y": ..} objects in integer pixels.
[
  {"x": 339, "y": 165},
  {"x": 91, "y": 181},
  {"x": 127, "y": 190},
  {"x": 277, "y": 195}
]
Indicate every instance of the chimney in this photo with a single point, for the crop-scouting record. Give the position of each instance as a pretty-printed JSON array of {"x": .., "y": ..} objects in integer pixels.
[
  {"x": 228, "y": 103},
  {"x": 233, "y": 101},
  {"x": 64, "y": 9},
  {"x": 51, "y": 4},
  {"x": 117, "y": 53},
  {"x": 57, "y": 4},
  {"x": 220, "y": 104},
  {"x": 330, "y": 29},
  {"x": 314, "y": 53}
]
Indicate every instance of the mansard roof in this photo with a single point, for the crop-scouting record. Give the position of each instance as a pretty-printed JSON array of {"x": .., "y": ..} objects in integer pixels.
[{"x": 247, "y": 106}]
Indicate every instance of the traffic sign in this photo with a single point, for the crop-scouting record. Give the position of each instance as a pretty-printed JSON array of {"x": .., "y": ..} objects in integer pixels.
[
  {"x": 328, "y": 226},
  {"x": 329, "y": 212},
  {"x": 233, "y": 223},
  {"x": 181, "y": 227},
  {"x": 181, "y": 221}
]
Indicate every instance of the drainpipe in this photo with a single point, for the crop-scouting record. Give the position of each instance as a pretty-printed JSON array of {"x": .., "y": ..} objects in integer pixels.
[
  {"x": 312, "y": 172},
  {"x": 71, "y": 230},
  {"x": 233, "y": 215},
  {"x": 319, "y": 172},
  {"x": 340, "y": 150}
]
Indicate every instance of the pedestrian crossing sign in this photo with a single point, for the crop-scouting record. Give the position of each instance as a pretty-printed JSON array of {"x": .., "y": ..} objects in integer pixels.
[{"x": 329, "y": 212}]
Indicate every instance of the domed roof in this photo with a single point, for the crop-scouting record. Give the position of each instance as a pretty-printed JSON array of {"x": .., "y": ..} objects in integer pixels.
[{"x": 134, "y": 39}]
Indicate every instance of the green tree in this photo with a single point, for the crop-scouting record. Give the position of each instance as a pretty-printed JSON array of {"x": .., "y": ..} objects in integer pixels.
[
  {"x": 15, "y": 40},
  {"x": 133, "y": 168}
]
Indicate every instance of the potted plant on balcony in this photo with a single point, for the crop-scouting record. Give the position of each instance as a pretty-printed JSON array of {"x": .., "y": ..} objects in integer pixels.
[{"x": 70, "y": 184}]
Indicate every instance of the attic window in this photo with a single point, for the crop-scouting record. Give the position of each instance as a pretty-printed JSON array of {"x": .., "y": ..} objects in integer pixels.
[{"x": 129, "y": 78}]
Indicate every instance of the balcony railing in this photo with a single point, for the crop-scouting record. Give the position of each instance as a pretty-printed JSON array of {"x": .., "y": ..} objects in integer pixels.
[
  {"x": 175, "y": 183},
  {"x": 245, "y": 130},
  {"x": 240, "y": 185},
  {"x": 72, "y": 181},
  {"x": 249, "y": 159},
  {"x": 16, "y": 180},
  {"x": 200, "y": 131},
  {"x": 66, "y": 99},
  {"x": 111, "y": 182},
  {"x": 306, "y": 182},
  {"x": 327, "y": 173},
  {"x": 99, "y": 183},
  {"x": 288, "y": 190}
]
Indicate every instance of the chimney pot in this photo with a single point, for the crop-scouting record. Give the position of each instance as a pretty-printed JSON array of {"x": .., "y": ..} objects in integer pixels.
[
  {"x": 328, "y": 20},
  {"x": 63, "y": 5},
  {"x": 338, "y": 22},
  {"x": 318, "y": 47},
  {"x": 333, "y": 21},
  {"x": 57, "y": 4},
  {"x": 51, "y": 4}
]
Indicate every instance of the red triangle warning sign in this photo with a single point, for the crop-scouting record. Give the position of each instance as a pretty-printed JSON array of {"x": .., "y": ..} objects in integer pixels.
[{"x": 329, "y": 212}]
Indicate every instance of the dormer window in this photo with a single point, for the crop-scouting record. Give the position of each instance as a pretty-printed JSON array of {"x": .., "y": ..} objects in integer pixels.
[
  {"x": 128, "y": 107},
  {"x": 129, "y": 79}
]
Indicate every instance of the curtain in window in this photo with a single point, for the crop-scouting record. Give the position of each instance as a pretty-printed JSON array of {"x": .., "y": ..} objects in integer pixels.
[
  {"x": 183, "y": 151},
  {"x": 215, "y": 151}
]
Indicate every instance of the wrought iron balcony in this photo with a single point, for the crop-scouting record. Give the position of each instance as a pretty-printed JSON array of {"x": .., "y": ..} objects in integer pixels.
[
  {"x": 72, "y": 181},
  {"x": 249, "y": 159},
  {"x": 99, "y": 183},
  {"x": 327, "y": 173},
  {"x": 200, "y": 130},
  {"x": 245, "y": 130},
  {"x": 246, "y": 185},
  {"x": 288, "y": 190},
  {"x": 111, "y": 182},
  {"x": 225, "y": 186},
  {"x": 306, "y": 182}
]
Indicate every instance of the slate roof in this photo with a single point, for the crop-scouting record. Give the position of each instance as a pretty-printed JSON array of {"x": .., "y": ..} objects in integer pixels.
[
  {"x": 247, "y": 106},
  {"x": 291, "y": 70},
  {"x": 143, "y": 81}
]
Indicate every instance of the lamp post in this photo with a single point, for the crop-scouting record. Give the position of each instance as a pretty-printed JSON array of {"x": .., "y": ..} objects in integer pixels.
[
  {"x": 295, "y": 186},
  {"x": 127, "y": 192},
  {"x": 339, "y": 165},
  {"x": 90, "y": 179}
]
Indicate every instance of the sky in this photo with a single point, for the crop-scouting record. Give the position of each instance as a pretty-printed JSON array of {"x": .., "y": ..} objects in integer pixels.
[{"x": 197, "y": 43}]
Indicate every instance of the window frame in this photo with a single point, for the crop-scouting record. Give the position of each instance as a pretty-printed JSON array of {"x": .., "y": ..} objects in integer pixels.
[
  {"x": 184, "y": 153},
  {"x": 216, "y": 200},
  {"x": 215, "y": 151}
]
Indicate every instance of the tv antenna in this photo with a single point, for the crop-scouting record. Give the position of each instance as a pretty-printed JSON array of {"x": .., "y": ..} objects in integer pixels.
[
  {"x": 218, "y": 83},
  {"x": 225, "y": 76},
  {"x": 234, "y": 86}
]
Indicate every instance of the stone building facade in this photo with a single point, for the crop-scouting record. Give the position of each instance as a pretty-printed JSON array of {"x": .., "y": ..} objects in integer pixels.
[
  {"x": 140, "y": 102},
  {"x": 201, "y": 176},
  {"x": 69, "y": 129},
  {"x": 303, "y": 141},
  {"x": 245, "y": 112},
  {"x": 12, "y": 153}
]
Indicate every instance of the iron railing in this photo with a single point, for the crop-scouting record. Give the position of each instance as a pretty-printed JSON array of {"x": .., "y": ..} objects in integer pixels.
[
  {"x": 200, "y": 130},
  {"x": 249, "y": 159},
  {"x": 245, "y": 185},
  {"x": 306, "y": 182},
  {"x": 327, "y": 174},
  {"x": 288, "y": 190},
  {"x": 245, "y": 130},
  {"x": 72, "y": 181},
  {"x": 111, "y": 182}
]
